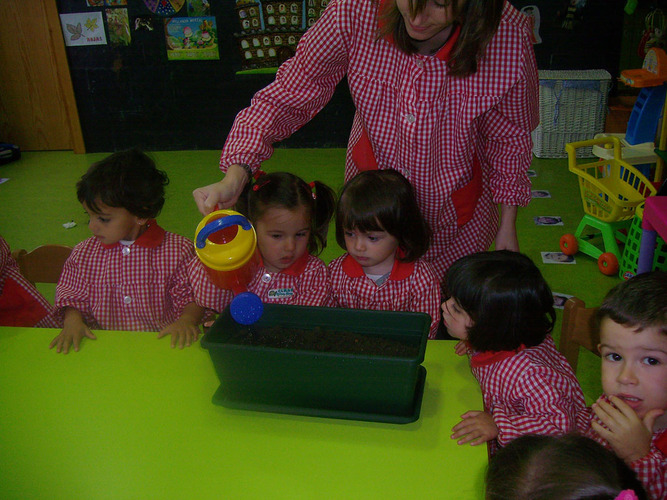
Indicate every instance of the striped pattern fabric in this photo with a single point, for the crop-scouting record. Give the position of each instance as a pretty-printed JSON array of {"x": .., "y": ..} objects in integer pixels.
[
  {"x": 418, "y": 292},
  {"x": 143, "y": 288},
  {"x": 421, "y": 121},
  {"x": 311, "y": 287},
  {"x": 532, "y": 392}
]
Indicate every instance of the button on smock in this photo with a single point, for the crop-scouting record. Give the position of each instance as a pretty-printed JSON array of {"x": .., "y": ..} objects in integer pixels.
[
  {"x": 127, "y": 299},
  {"x": 266, "y": 277}
]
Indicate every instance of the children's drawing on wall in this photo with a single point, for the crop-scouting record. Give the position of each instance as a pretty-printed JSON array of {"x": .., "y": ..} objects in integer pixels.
[
  {"x": 85, "y": 28},
  {"x": 118, "y": 24},
  {"x": 164, "y": 7},
  {"x": 193, "y": 38},
  {"x": 571, "y": 14},
  {"x": 198, "y": 8},
  {"x": 533, "y": 13},
  {"x": 143, "y": 23},
  {"x": 115, "y": 3},
  {"x": 95, "y": 3}
]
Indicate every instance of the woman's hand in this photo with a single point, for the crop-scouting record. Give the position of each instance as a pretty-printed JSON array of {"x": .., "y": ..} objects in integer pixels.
[
  {"x": 223, "y": 193},
  {"x": 506, "y": 237}
]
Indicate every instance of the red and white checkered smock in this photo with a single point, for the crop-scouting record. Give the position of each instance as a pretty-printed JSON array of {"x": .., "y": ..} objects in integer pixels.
[
  {"x": 651, "y": 469},
  {"x": 304, "y": 283},
  {"x": 411, "y": 116},
  {"x": 21, "y": 304},
  {"x": 531, "y": 391},
  {"x": 411, "y": 286},
  {"x": 142, "y": 287}
]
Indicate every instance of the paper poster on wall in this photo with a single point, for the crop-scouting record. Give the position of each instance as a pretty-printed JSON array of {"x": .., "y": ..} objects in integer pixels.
[
  {"x": 115, "y": 3},
  {"x": 95, "y": 3},
  {"x": 191, "y": 38},
  {"x": 118, "y": 24},
  {"x": 199, "y": 8},
  {"x": 85, "y": 28},
  {"x": 164, "y": 7}
]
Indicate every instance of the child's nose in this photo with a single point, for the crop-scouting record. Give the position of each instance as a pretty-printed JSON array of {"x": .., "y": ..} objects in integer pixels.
[
  {"x": 627, "y": 374},
  {"x": 290, "y": 244}
]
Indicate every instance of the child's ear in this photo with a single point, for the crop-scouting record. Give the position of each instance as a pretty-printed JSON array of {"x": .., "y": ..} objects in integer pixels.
[
  {"x": 142, "y": 222},
  {"x": 599, "y": 351}
]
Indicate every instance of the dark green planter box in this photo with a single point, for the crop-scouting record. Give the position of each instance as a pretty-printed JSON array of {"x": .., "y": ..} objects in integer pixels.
[{"x": 326, "y": 384}]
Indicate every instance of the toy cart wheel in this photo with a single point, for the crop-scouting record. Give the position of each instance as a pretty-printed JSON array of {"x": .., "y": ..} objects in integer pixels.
[
  {"x": 608, "y": 264},
  {"x": 569, "y": 244}
]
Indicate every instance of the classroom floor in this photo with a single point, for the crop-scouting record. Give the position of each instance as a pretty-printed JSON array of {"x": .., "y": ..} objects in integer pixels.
[{"x": 39, "y": 197}]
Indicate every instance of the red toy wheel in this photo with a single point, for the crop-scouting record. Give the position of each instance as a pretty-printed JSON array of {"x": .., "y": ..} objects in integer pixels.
[
  {"x": 569, "y": 244},
  {"x": 608, "y": 264}
]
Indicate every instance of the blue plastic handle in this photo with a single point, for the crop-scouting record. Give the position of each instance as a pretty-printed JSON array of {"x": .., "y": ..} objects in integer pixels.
[{"x": 221, "y": 223}]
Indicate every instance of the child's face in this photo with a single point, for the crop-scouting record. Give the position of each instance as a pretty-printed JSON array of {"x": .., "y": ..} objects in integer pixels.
[
  {"x": 113, "y": 224},
  {"x": 374, "y": 250},
  {"x": 634, "y": 366},
  {"x": 282, "y": 236},
  {"x": 456, "y": 319}
]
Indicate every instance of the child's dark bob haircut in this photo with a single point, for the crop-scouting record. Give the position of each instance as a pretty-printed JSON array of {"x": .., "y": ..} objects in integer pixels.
[
  {"x": 126, "y": 179},
  {"x": 506, "y": 297},
  {"x": 573, "y": 467},
  {"x": 383, "y": 200},
  {"x": 640, "y": 302},
  {"x": 286, "y": 190}
]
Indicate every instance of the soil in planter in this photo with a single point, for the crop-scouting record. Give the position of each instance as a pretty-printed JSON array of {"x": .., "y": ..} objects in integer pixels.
[{"x": 322, "y": 340}]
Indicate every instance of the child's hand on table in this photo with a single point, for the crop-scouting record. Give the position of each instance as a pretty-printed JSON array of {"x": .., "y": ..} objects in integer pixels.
[
  {"x": 185, "y": 330},
  {"x": 627, "y": 434},
  {"x": 477, "y": 427},
  {"x": 74, "y": 330}
]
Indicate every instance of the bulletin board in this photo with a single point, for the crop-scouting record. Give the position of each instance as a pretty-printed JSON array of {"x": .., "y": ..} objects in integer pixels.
[{"x": 139, "y": 83}]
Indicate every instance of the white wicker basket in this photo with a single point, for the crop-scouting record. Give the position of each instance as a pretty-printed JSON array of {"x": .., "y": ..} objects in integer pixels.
[{"x": 573, "y": 107}]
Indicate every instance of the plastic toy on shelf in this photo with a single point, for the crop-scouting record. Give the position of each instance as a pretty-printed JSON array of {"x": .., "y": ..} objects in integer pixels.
[
  {"x": 638, "y": 142},
  {"x": 611, "y": 190}
]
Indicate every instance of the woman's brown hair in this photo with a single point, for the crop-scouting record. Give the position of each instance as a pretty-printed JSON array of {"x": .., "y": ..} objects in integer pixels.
[{"x": 479, "y": 20}]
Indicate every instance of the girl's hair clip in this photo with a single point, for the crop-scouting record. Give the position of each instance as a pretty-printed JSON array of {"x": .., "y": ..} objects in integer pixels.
[
  {"x": 627, "y": 495},
  {"x": 312, "y": 189},
  {"x": 259, "y": 185}
]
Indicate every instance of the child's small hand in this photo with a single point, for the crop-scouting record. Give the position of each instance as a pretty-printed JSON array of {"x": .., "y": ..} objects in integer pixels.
[
  {"x": 477, "y": 427},
  {"x": 627, "y": 434},
  {"x": 461, "y": 348},
  {"x": 183, "y": 333},
  {"x": 71, "y": 336}
]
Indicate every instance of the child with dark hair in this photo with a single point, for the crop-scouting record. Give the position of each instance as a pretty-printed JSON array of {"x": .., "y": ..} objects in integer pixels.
[
  {"x": 568, "y": 467},
  {"x": 131, "y": 275},
  {"x": 291, "y": 219},
  {"x": 501, "y": 308},
  {"x": 379, "y": 224},
  {"x": 631, "y": 415}
]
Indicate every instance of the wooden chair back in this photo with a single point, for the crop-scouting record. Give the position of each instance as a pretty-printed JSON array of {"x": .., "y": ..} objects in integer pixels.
[
  {"x": 44, "y": 264},
  {"x": 578, "y": 330}
]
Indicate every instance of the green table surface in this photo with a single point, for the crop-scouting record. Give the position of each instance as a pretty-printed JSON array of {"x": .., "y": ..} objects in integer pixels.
[{"x": 129, "y": 417}]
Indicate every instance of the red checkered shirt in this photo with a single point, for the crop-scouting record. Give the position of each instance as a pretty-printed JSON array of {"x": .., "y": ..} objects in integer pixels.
[
  {"x": 21, "y": 304},
  {"x": 304, "y": 283},
  {"x": 530, "y": 391},
  {"x": 433, "y": 128},
  {"x": 411, "y": 286},
  {"x": 143, "y": 286},
  {"x": 651, "y": 469}
]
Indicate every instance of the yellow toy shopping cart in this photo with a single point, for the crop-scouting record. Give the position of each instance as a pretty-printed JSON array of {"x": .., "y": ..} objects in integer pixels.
[{"x": 611, "y": 190}]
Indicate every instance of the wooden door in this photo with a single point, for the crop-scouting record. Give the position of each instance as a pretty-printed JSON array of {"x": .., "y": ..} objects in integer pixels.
[{"x": 37, "y": 105}]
